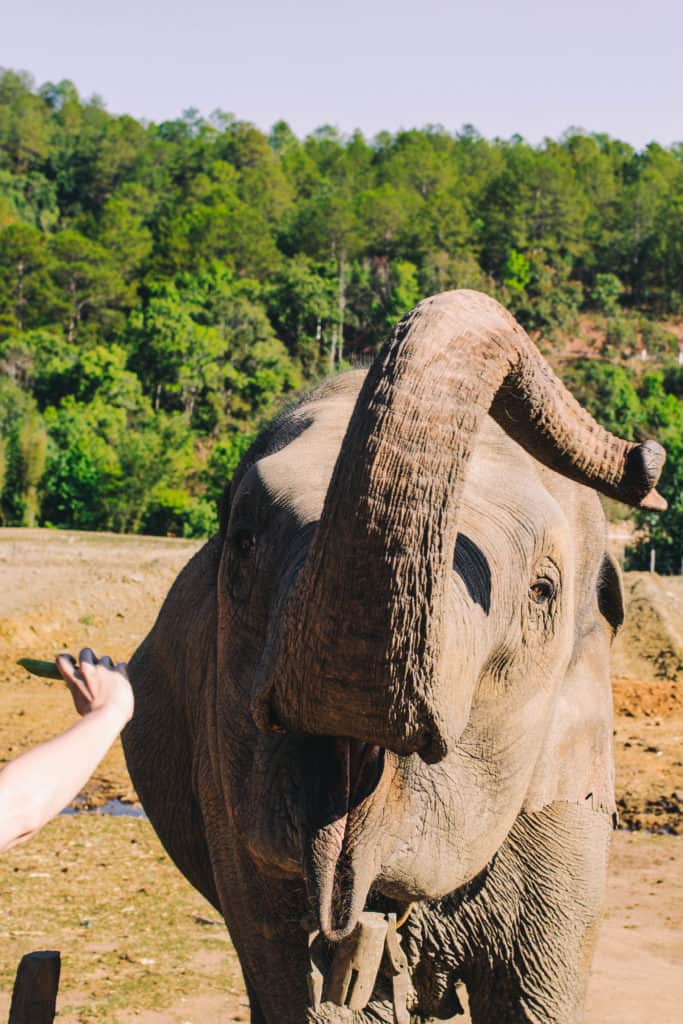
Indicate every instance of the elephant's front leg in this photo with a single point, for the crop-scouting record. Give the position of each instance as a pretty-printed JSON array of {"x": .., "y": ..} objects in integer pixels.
[
  {"x": 263, "y": 917},
  {"x": 536, "y": 918}
]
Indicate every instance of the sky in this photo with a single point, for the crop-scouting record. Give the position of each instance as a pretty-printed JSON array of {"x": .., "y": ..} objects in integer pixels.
[{"x": 517, "y": 67}]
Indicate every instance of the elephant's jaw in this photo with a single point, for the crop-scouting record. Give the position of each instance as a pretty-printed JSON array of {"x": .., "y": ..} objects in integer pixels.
[
  {"x": 341, "y": 840},
  {"x": 350, "y": 818},
  {"x": 376, "y": 821}
]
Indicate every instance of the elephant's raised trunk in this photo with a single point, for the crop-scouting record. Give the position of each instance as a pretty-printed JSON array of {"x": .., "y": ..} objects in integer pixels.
[{"x": 359, "y": 649}]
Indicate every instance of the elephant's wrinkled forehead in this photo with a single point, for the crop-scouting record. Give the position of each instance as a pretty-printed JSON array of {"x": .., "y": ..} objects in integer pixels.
[{"x": 508, "y": 507}]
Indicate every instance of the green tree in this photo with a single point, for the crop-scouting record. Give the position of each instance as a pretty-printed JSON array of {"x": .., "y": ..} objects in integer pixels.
[
  {"x": 609, "y": 393},
  {"x": 171, "y": 349},
  {"x": 326, "y": 228},
  {"x": 517, "y": 271},
  {"x": 302, "y": 305},
  {"x": 88, "y": 286},
  {"x": 535, "y": 205},
  {"x": 164, "y": 286},
  {"x": 205, "y": 345},
  {"x": 25, "y": 286},
  {"x": 123, "y": 229},
  {"x": 261, "y": 184},
  {"x": 103, "y": 465},
  {"x": 606, "y": 293},
  {"x": 32, "y": 454},
  {"x": 214, "y": 223},
  {"x": 16, "y": 405},
  {"x": 3, "y": 471},
  {"x": 381, "y": 292},
  {"x": 29, "y": 198},
  {"x": 24, "y": 122},
  {"x": 389, "y": 219},
  {"x": 226, "y": 455}
]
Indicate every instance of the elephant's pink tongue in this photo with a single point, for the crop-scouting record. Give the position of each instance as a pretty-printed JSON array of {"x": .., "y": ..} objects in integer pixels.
[{"x": 339, "y": 866}]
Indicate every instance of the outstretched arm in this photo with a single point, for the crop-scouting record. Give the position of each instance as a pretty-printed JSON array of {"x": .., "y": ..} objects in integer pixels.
[{"x": 38, "y": 784}]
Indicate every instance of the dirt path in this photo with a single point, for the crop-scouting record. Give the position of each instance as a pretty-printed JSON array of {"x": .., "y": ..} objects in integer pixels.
[
  {"x": 146, "y": 947},
  {"x": 638, "y": 967},
  {"x": 149, "y": 942}
]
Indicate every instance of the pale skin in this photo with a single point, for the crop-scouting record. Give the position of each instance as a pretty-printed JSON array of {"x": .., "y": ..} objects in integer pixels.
[{"x": 40, "y": 783}]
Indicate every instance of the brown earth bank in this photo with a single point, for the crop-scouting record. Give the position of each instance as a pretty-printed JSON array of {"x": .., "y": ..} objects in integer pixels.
[{"x": 145, "y": 946}]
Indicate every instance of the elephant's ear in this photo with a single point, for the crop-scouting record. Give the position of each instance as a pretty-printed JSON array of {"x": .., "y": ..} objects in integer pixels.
[
  {"x": 611, "y": 593},
  {"x": 576, "y": 762},
  {"x": 168, "y": 673}
]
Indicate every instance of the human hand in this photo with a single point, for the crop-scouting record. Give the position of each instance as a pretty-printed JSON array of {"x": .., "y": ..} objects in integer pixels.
[{"x": 97, "y": 683}]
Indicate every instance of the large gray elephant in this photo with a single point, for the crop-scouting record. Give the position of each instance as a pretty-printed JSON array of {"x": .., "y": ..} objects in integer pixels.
[{"x": 383, "y": 688}]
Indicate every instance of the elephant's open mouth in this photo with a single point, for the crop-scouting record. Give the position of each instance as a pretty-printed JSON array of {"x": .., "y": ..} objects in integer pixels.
[
  {"x": 361, "y": 768},
  {"x": 340, "y": 847}
]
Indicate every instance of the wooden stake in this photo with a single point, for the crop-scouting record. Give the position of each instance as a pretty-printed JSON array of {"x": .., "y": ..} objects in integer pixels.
[{"x": 34, "y": 998}]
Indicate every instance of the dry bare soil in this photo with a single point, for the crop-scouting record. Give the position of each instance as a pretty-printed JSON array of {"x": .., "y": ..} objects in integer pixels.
[{"x": 138, "y": 944}]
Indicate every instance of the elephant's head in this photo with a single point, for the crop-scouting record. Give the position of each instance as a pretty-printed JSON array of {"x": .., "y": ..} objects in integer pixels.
[
  {"x": 403, "y": 594},
  {"x": 414, "y": 609}
]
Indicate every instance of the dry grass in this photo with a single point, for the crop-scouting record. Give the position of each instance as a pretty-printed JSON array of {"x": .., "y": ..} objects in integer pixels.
[{"x": 131, "y": 930}]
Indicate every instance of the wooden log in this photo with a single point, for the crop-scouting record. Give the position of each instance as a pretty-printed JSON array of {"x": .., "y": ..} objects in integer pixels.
[{"x": 34, "y": 998}]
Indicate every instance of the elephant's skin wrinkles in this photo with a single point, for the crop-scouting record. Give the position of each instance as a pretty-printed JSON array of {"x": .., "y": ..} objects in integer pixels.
[
  {"x": 299, "y": 766},
  {"x": 437, "y": 826}
]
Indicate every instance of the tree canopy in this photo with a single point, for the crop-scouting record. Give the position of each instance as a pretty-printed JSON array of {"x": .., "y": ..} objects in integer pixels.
[{"x": 164, "y": 286}]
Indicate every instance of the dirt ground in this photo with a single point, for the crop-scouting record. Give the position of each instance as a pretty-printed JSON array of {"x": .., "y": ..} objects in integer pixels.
[{"x": 138, "y": 944}]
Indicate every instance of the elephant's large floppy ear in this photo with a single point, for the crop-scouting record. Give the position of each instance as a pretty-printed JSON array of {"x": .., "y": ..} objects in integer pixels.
[
  {"x": 611, "y": 593},
  {"x": 167, "y": 673},
  {"x": 576, "y": 762}
]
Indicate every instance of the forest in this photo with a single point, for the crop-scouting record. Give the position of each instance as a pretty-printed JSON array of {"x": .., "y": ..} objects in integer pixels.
[{"x": 165, "y": 288}]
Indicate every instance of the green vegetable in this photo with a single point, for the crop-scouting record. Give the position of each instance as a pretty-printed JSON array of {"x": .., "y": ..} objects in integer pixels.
[{"x": 46, "y": 669}]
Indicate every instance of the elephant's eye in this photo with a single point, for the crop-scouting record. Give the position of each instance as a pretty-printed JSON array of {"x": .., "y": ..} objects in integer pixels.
[
  {"x": 243, "y": 542},
  {"x": 542, "y": 590}
]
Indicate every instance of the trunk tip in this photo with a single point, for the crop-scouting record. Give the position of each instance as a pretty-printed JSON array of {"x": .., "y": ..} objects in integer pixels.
[
  {"x": 642, "y": 470},
  {"x": 654, "y": 502}
]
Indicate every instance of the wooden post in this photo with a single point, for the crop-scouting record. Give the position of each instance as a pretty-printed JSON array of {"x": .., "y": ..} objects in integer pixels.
[
  {"x": 35, "y": 988},
  {"x": 652, "y": 559}
]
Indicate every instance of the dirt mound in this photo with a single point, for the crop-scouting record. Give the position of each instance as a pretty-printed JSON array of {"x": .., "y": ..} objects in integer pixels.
[
  {"x": 650, "y": 644},
  {"x": 639, "y": 699},
  {"x": 63, "y": 590}
]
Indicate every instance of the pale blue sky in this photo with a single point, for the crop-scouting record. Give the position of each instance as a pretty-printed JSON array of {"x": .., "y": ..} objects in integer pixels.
[{"x": 525, "y": 66}]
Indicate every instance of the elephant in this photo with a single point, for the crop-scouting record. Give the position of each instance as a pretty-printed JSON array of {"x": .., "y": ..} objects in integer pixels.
[{"x": 379, "y": 697}]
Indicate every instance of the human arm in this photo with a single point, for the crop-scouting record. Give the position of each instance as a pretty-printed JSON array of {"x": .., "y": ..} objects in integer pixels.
[{"x": 38, "y": 784}]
